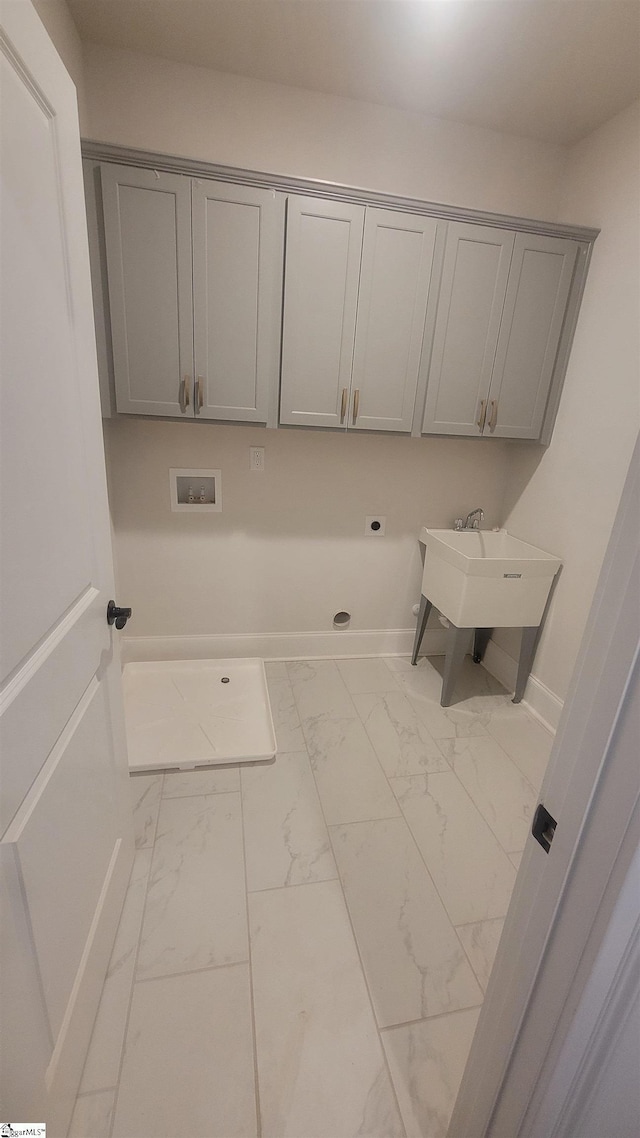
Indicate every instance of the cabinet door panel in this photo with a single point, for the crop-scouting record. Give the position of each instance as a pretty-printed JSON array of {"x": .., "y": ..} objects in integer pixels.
[
  {"x": 238, "y": 234},
  {"x": 147, "y": 219},
  {"x": 473, "y": 289},
  {"x": 324, "y": 242},
  {"x": 537, "y": 294},
  {"x": 397, "y": 257}
]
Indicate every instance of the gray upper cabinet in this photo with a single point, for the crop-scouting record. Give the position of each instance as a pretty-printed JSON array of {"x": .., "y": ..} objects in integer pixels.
[
  {"x": 501, "y": 312},
  {"x": 187, "y": 276},
  {"x": 324, "y": 242},
  {"x": 470, "y": 304},
  {"x": 237, "y": 285},
  {"x": 147, "y": 217},
  {"x": 245, "y": 303},
  {"x": 356, "y": 290},
  {"x": 395, "y": 274},
  {"x": 536, "y": 301}
]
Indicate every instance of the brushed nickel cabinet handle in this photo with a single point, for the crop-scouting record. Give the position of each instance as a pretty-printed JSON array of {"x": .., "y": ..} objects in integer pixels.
[
  {"x": 183, "y": 393},
  {"x": 199, "y": 394},
  {"x": 482, "y": 416},
  {"x": 494, "y": 415},
  {"x": 356, "y": 403},
  {"x": 343, "y": 404}
]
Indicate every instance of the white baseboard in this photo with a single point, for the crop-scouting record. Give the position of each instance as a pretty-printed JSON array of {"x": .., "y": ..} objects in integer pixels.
[
  {"x": 538, "y": 699},
  {"x": 282, "y": 645}
]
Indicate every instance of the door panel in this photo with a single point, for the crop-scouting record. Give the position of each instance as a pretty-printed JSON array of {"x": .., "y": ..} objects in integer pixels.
[
  {"x": 67, "y": 853},
  {"x": 535, "y": 305},
  {"x": 41, "y": 495},
  {"x": 397, "y": 257},
  {"x": 147, "y": 219},
  {"x": 71, "y": 808},
  {"x": 473, "y": 289},
  {"x": 238, "y": 238},
  {"x": 324, "y": 243}
]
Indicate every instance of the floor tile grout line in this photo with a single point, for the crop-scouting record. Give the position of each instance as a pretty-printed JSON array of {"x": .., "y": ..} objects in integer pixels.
[
  {"x": 198, "y": 794},
  {"x": 464, "y": 947},
  {"x": 359, "y": 958},
  {"x": 347, "y": 692},
  {"x": 419, "y": 851},
  {"x": 429, "y": 1019},
  {"x": 413, "y": 838},
  {"x": 488, "y": 823},
  {"x": 469, "y": 924},
  {"x": 191, "y": 971},
  {"x": 295, "y": 885},
  {"x": 424, "y": 862},
  {"x": 481, "y": 815},
  {"x": 96, "y": 1091},
  {"x": 254, "y": 1037},
  {"x": 123, "y": 1045}
]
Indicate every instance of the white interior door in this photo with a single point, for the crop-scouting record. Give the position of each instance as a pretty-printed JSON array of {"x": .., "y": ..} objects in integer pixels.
[
  {"x": 397, "y": 257},
  {"x": 66, "y": 844}
]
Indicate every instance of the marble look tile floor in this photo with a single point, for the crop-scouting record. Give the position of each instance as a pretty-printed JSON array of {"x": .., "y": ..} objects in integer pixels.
[{"x": 305, "y": 946}]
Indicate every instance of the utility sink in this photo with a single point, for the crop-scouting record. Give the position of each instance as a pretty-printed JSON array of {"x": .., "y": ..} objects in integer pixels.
[{"x": 486, "y": 578}]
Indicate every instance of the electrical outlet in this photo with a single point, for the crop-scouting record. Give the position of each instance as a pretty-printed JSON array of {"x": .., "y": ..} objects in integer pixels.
[
  {"x": 256, "y": 458},
  {"x": 375, "y": 525}
]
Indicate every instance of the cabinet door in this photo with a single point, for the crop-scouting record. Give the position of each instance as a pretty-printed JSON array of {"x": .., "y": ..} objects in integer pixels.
[
  {"x": 537, "y": 295},
  {"x": 324, "y": 242},
  {"x": 238, "y": 237},
  {"x": 397, "y": 257},
  {"x": 472, "y": 294},
  {"x": 147, "y": 219}
]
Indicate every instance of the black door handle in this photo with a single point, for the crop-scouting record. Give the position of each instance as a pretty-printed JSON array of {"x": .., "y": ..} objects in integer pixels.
[{"x": 116, "y": 615}]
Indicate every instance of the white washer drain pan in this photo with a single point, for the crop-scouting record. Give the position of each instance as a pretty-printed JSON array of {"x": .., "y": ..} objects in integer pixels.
[{"x": 182, "y": 713}]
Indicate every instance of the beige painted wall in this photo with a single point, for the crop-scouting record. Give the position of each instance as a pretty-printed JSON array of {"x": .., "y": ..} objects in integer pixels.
[
  {"x": 289, "y": 549},
  {"x": 155, "y": 104},
  {"x": 565, "y": 499},
  {"x": 58, "y": 21}
]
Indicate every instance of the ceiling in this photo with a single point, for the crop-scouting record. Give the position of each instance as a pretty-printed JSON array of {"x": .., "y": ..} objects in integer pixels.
[{"x": 547, "y": 69}]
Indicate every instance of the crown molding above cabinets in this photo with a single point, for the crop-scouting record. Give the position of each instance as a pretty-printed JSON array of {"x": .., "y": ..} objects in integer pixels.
[{"x": 237, "y": 296}]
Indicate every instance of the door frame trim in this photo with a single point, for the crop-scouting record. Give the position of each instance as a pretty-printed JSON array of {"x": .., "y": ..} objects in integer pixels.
[{"x": 563, "y": 901}]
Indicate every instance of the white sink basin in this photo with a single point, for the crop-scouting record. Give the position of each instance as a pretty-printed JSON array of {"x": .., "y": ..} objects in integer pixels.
[{"x": 486, "y": 579}]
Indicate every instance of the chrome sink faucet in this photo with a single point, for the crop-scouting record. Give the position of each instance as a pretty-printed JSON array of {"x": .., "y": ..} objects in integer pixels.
[{"x": 472, "y": 520}]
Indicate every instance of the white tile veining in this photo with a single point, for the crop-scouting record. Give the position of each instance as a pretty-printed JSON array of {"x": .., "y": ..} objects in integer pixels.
[
  {"x": 102, "y": 1064},
  {"x": 145, "y": 800},
  {"x": 481, "y": 942},
  {"x": 286, "y": 720},
  {"x": 427, "y": 1061},
  {"x": 409, "y": 949},
  {"x": 525, "y": 740},
  {"x": 184, "y": 1070},
  {"x": 195, "y": 915},
  {"x": 471, "y": 872},
  {"x": 367, "y": 676},
  {"x": 286, "y": 840},
  {"x": 351, "y": 783},
  {"x": 373, "y": 863},
  {"x": 400, "y": 739},
  {"x": 321, "y": 1069},
  {"x": 92, "y": 1116},
  {"x": 502, "y": 794}
]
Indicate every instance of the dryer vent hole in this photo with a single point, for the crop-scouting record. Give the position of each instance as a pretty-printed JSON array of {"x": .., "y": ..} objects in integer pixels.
[{"x": 341, "y": 620}]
